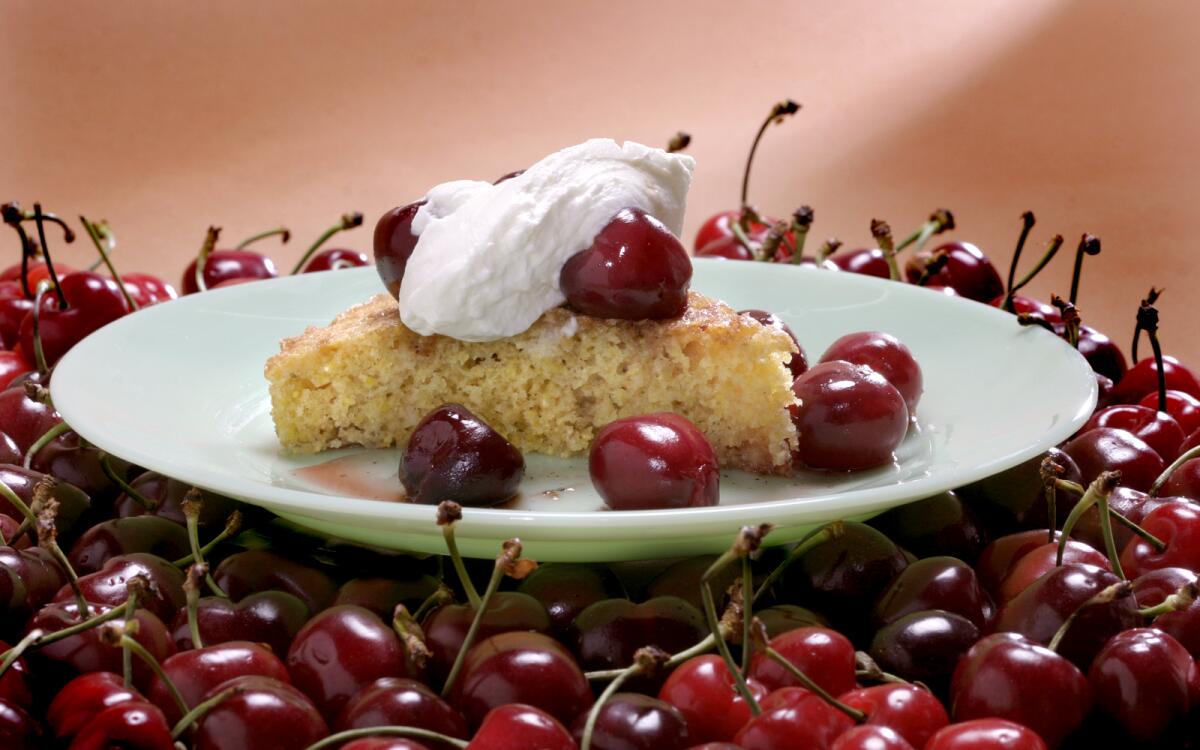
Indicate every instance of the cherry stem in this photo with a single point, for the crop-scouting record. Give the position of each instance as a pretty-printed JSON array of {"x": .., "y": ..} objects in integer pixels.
[
  {"x": 106, "y": 466},
  {"x": 679, "y": 142},
  {"x": 828, "y": 247},
  {"x": 191, "y": 505},
  {"x": 476, "y": 622},
  {"x": 39, "y": 352},
  {"x": 1026, "y": 320},
  {"x": 348, "y": 221},
  {"x": 1107, "y": 595},
  {"x": 882, "y": 233},
  {"x": 708, "y": 643},
  {"x": 939, "y": 221},
  {"x": 781, "y": 111},
  {"x": 284, "y": 233},
  {"x": 1097, "y": 494},
  {"x": 747, "y": 611},
  {"x": 936, "y": 263},
  {"x": 210, "y": 242},
  {"x": 802, "y": 219},
  {"x": 191, "y": 716},
  {"x": 1027, "y": 222},
  {"x": 865, "y": 668},
  {"x": 412, "y": 638},
  {"x": 1188, "y": 455},
  {"x": 1088, "y": 245},
  {"x": 739, "y": 233},
  {"x": 13, "y": 216},
  {"x": 94, "y": 234},
  {"x": 773, "y": 240},
  {"x": 645, "y": 661},
  {"x": 84, "y": 625},
  {"x": 147, "y": 657},
  {"x": 335, "y": 740},
  {"x": 815, "y": 538},
  {"x": 47, "y": 437},
  {"x": 40, "y": 219},
  {"x": 133, "y": 591},
  {"x": 1180, "y": 600},
  {"x": 1071, "y": 319},
  {"x": 14, "y": 653},
  {"x": 714, "y": 626},
  {"x": 232, "y": 526},
  {"x": 1119, "y": 517},
  {"x": 191, "y": 588},
  {"x": 858, "y": 716},
  {"x": 1052, "y": 249},
  {"x": 448, "y": 514},
  {"x": 1147, "y": 320},
  {"x": 441, "y": 595},
  {"x": 106, "y": 236}
]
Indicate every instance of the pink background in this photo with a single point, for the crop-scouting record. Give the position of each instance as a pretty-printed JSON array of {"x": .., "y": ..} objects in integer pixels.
[{"x": 166, "y": 117}]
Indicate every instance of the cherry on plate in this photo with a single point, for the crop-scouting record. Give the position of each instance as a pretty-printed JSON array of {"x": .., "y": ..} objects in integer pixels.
[
  {"x": 657, "y": 460},
  {"x": 454, "y": 455}
]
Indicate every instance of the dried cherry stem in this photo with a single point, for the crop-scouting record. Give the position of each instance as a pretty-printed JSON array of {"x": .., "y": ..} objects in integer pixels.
[
  {"x": 233, "y": 525},
  {"x": 1071, "y": 319},
  {"x": 647, "y": 660},
  {"x": 1188, "y": 455},
  {"x": 113, "y": 476},
  {"x": 706, "y": 644},
  {"x": 348, "y": 221},
  {"x": 21, "y": 646},
  {"x": 13, "y": 216},
  {"x": 191, "y": 716},
  {"x": 448, "y": 514},
  {"x": 882, "y": 232},
  {"x": 828, "y": 247},
  {"x": 1088, "y": 245},
  {"x": 858, "y": 716},
  {"x": 336, "y": 740},
  {"x": 774, "y": 239},
  {"x": 1027, "y": 222},
  {"x": 780, "y": 112},
  {"x": 1180, "y": 600},
  {"x": 1147, "y": 320},
  {"x": 747, "y": 602},
  {"x": 1026, "y": 320},
  {"x": 406, "y": 627},
  {"x": 802, "y": 219},
  {"x": 134, "y": 588},
  {"x": 936, "y": 263},
  {"x": 1097, "y": 494},
  {"x": 93, "y": 232},
  {"x": 46, "y": 511},
  {"x": 865, "y": 668},
  {"x": 191, "y": 588},
  {"x": 210, "y": 243},
  {"x": 1077, "y": 490},
  {"x": 1151, "y": 299},
  {"x": 191, "y": 505},
  {"x": 679, "y": 142},
  {"x": 1107, "y": 595},
  {"x": 40, "y": 218},
  {"x": 1052, "y": 249},
  {"x": 509, "y": 563},
  {"x": 1052, "y": 471},
  {"x": 46, "y": 438},
  {"x": 39, "y": 352},
  {"x": 815, "y": 538},
  {"x": 941, "y": 220},
  {"x": 284, "y": 233}
]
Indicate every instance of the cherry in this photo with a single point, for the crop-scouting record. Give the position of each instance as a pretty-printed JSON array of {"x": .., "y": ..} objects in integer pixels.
[
  {"x": 73, "y": 505},
  {"x": 565, "y": 590},
  {"x": 398, "y": 701},
  {"x": 15, "y": 682},
  {"x": 635, "y": 269},
  {"x": 924, "y": 646},
  {"x": 333, "y": 259},
  {"x": 85, "y": 652},
  {"x": 944, "y": 583},
  {"x": 1158, "y": 429},
  {"x": 272, "y": 618},
  {"x": 1016, "y": 498},
  {"x": 14, "y": 306},
  {"x": 1104, "y": 356},
  {"x": 520, "y": 667},
  {"x": 255, "y": 570},
  {"x": 107, "y": 586},
  {"x": 607, "y": 634},
  {"x": 719, "y": 226},
  {"x": 870, "y": 737},
  {"x": 12, "y": 364},
  {"x": 446, "y": 627},
  {"x": 658, "y": 460},
  {"x": 1183, "y": 407},
  {"x": 1041, "y": 560},
  {"x": 793, "y": 717},
  {"x": 93, "y": 301},
  {"x": 1039, "y": 611},
  {"x": 967, "y": 270},
  {"x": 782, "y": 618},
  {"x": 69, "y": 458},
  {"x": 1178, "y": 525},
  {"x": 1109, "y": 449},
  {"x": 1140, "y": 680},
  {"x": 25, "y": 419},
  {"x": 869, "y": 261},
  {"x": 886, "y": 355},
  {"x": 849, "y": 417},
  {"x": 798, "y": 364},
  {"x": 18, "y": 730},
  {"x": 227, "y": 265},
  {"x": 148, "y": 290},
  {"x": 340, "y": 651},
  {"x": 909, "y": 710},
  {"x": 519, "y": 727},
  {"x": 682, "y": 579},
  {"x": 120, "y": 536},
  {"x": 381, "y": 595},
  {"x": 702, "y": 689},
  {"x": 631, "y": 721},
  {"x": 1133, "y": 504},
  {"x": 261, "y": 713},
  {"x": 1035, "y": 307},
  {"x": 394, "y": 243},
  {"x": 39, "y": 573},
  {"x": 9, "y": 453},
  {"x": 1007, "y": 676},
  {"x": 730, "y": 248},
  {"x": 1142, "y": 380},
  {"x": 78, "y": 702},
  {"x": 197, "y": 672},
  {"x": 999, "y": 557},
  {"x": 384, "y": 743},
  {"x": 1153, "y": 587},
  {"x": 941, "y": 524},
  {"x": 454, "y": 455},
  {"x": 986, "y": 734},
  {"x": 132, "y": 724},
  {"x": 825, "y": 656},
  {"x": 1184, "y": 481}
]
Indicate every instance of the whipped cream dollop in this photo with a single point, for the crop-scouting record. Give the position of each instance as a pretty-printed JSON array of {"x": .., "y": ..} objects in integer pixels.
[{"x": 488, "y": 257}]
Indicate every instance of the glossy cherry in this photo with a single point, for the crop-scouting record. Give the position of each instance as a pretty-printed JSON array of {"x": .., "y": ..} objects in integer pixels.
[
  {"x": 93, "y": 301},
  {"x": 909, "y": 710},
  {"x": 1141, "y": 681},
  {"x": 199, "y": 671},
  {"x": 682, "y": 579},
  {"x": 566, "y": 589},
  {"x": 939, "y": 525},
  {"x": 24, "y": 418},
  {"x": 793, "y": 717},
  {"x": 335, "y": 258},
  {"x": 9, "y": 453},
  {"x": 272, "y": 618},
  {"x": 798, "y": 364},
  {"x": 228, "y": 265},
  {"x": 15, "y": 683},
  {"x": 849, "y": 417},
  {"x": 71, "y": 459},
  {"x": 148, "y": 290},
  {"x": 702, "y": 689},
  {"x": 632, "y": 721},
  {"x": 35, "y": 577},
  {"x": 454, "y": 455},
  {"x": 781, "y": 618},
  {"x": 924, "y": 646},
  {"x": 1103, "y": 355},
  {"x": 78, "y": 702},
  {"x": 255, "y": 570},
  {"x": 266, "y": 713},
  {"x": 869, "y": 261},
  {"x": 608, "y": 633},
  {"x": 886, "y": 355},
  {"x": 1184, "y": 481},
  {"x": 381, "y": 595},
  {"x": 399, "y": 701},
  {"x": 870, "y": 737},
  {"x": 134, "y": 724},
  {"x": 12, "y": 364},
  {"x": 719, "y": 226},
  {"x": 1109, "y": 449},
  {"x": 658, "y": 460},
  {"x": 446, "y": 627},
  {"x": 986, "y": 734},
  {"x": 967, "y": 270},
  {"x": 945, "y": 583},
  {"x": 1184, "y": 407},
  {"x": 1178, "y": 525},
  {"x": 1040, "y": 560},
  {"x": 167, "y": 493},
  {"x": 84, "y": 652},
  {"x": 18, "y": 730},
  {"x": 120, "y": 536},
  {"x": 635, "y": 269},
  {"x": 394, "y": 243},
  {"x": 1158, "y": 429},
  {"x": 74, "y": 507},
  {"x": 1142, "y": 380},
  {"x": 518, "y": 727},
  {"x": 825, "y": 656},
  {"x": 520, "y": 667},
  {"x": 107, "y": 586}
]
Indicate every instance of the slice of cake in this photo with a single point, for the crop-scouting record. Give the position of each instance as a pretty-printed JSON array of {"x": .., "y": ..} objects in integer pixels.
[{"x": 366, "y": 379}]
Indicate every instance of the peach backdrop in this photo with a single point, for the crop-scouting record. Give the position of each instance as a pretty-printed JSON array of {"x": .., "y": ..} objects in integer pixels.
[{"x": 165, "y": 117}]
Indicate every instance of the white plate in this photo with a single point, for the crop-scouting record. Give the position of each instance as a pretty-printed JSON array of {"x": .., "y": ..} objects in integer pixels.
[{"x": 179, "y": 388}]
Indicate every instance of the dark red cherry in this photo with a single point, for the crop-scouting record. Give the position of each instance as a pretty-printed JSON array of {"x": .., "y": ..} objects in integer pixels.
[
  {"x": 121, "y": 536},
  {"x": 1007, "y": 676},
  {"x": 632, "y": 721},
  {"x": 1178, "y": 525},
  {"x": 381, "y": 595},
  {"x": 968, "y": 271},
  {"x": 566, "y": 589},
  {"x": 93, "y": 301},
  {"x": 15, "y": 685},
  {"x": 1141, "y": 681},
  {"x": 702, "y": 689},
  {"x": 520, "y": 667},
  {"x": 265, "y": 713},
  {"x": 730, "y": 248},
  {"x": 781, "y": 618},
  {"x": 74, "y": 507},
  {"x": 1040, "y": 560},
  {"x": 939, "y": 525},
  {"x": 911, "y": 711},
  {"x": 271, "y": 618},
  {"x": 340, "y": 651},
  {"x": 986, "y": 734},
  {"x": 682, "y": 579},
  {"x": 394, "y": 244},
  {"x": 1031, "y": 306},
  {"x": 798, "y": 364},
  {"x": 1184, "y": 481},
  {"x": 886, "y": 355},
  {"x": 849, "y": 417},
  {"x": 1184, "y": 407},
  {"x": 825, "y": 656},
  {"x": 12, "y": 365},
  {"x": 199, "y": 671},
  {"x": 1015, "y": 498},
  {"x": 1158, "y": 429},
  {"x": 1000, "y": 556},
  {"x": 229, "y": 265},
  {"x": 384, "y": 743},
  {"x": 1109, "y": 449},
  {"x": 870, "y": 737},
  {"x": 793, "y": 717},
  {"x": 658, "y": 460},
  {"x": 25, "y": 419},
  {"x": 454, "y": 455},
  {"x": 1153, "y": 587},
  {"x": 69, "y": 458},
  {"x": 945, "y": 583},
  {"x": 924, "y": 646},
  {"x": 635, "y": 269},
  {"x": 37, "y": 576},
  {"x": 336, "y": 258},
  {"x": 254, "y": 570},
  {"x": 720, "y": 226},
  {"x": 609, "y": 632},
  {"x": 167, "y": 493},
  {"x": 1142, "y": 379},
  {"x": 869, "y": 261},
  {"x": 1104, "y": 356},
  {"x": 9, "y": 453},
  {"x": 164, "y": 596},
  {"x": 518, "y": 727},
  {"x": 399, "y": 701},
  {"x": 446, "y": 627},
  {"x": 128, "y": 724},
  {"x": 84, "y": 652},
  {"x": 18, "y": 730},
  {"x": 78, "y": 702},
  {"x": 147, "y": 290}
]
